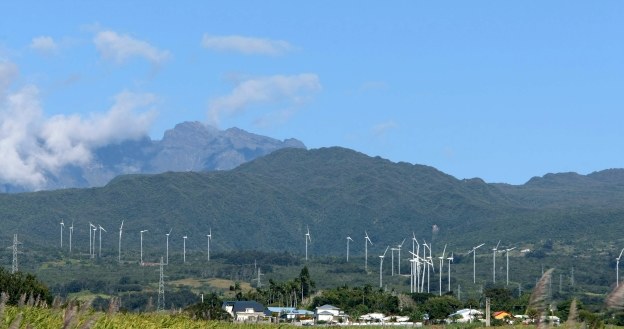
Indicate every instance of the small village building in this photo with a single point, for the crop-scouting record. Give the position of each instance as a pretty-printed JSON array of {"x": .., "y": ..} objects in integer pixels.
[
  {"x": 465, "y": 315},
  {"x": 329, "y": 314},
  {"x": 246, "y": 310}
]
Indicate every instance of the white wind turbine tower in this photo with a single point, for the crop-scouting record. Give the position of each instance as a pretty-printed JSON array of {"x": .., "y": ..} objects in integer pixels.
[
  {"x": 415, "y": 271},
  {"x": 167, "y": 234},
  {"x": 450, "y": 260},
  {"x": 429, "y": 264},
  {"x": 348, "y": 239},
  {"x": 62, "y": 226},
  {"x": 142, "y": 231},
  {"x": 367, "y": 240},
  {"x": 412, "y": 262},
  {"x": 416, "y": 262},
  {"x": 392, "y": 262},
  {"x": 209, "y": 237},
  {"x": 441, "y": 258},
  {"x": 381, "y": 258},
  {"x": 399, "y": 262},
  {"x": 428, "y": 261},
  {"x": 94, "y": 232},
  {"x": 507, "y": 255},
  {"x": 474, "y": 262},
  {"x": 617, "y": 268},
  {"x": 119, "y": 253},
  {"x": 101, "y": 229},
  {"x": 307, "y": 238},
  {"x": 91, "y": 242},
  {"x": 184, "y": 250},
  {"x": 494, "y": 262},
  {"x": 71, "y": 231}
]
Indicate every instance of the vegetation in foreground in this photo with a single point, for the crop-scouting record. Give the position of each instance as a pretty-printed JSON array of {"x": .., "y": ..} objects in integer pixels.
[{"x": 33, "y": 308}]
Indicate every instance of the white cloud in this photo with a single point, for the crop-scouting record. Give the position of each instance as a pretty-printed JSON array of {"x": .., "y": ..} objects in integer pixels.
[
  {"x": 44, "y": 45},
  {"x": 292, "y": 90},
  {"x": 245, "y": 45},
  {"x": 120, "y": 47},
  {"x": 8, "y": 72},
  {"x": 383, "y": 127},
  {"x": 32, "y": 145}
]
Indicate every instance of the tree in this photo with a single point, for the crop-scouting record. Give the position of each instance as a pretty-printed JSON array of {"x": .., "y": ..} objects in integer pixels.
[
  {"x": 500, "y": 298},
  {"x": 306, "y": 282},
  {"x": 439, "y": 308},
  {"x": 210, "y": 309},
  {"x": 17, "y": 284}
]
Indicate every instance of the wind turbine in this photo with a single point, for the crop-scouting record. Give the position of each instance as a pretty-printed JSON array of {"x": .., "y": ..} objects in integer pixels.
[
  {"x": 450, "y": 260},
  {"x": 441, "y": 258},
  {"x": 414, "y": 261},
  {"x": 381, "y": 258},
  {"x": 415, "y": 264},
  {"x": 71, "y": 231},
  {"x": 94, "y": 232},
  {"x": 120, "y": 230},
  {"x": 142, "y": 231},
  {"x": 62, "y": 225},
  {"x": 184, "y": 250},
  {"x": 494, "y": 262},
  {"x": 209, "y": 237},
  {"x": 168, "y": 244},
  {"x": 617, "y": 268},
  {"x": 307, "y": 238},
  {"x": 507, "y": 255},
  {"x": 399, "y": 263},
  {"x": 367, "y": 240},
  {"x": 101, "y": 229},
  {"x": 474, "y": 262},
  {"x": 428, "y": 261},
  {"x": 392, "y": 263},
  {"x": 91, "y": 241},
  {"x": 348, "y": 239}
]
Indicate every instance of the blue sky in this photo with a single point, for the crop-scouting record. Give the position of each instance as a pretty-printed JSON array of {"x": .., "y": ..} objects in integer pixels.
[{"x": 501, "y": 90}]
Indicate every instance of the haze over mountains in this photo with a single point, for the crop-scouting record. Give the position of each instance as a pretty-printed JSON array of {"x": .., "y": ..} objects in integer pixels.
[{"x": 190, "y": 146}]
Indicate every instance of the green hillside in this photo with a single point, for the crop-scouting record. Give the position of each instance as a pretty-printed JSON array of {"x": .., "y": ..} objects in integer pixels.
[
  {"x": 267, "y": 204},
  {"x": 260, "y": 212}
]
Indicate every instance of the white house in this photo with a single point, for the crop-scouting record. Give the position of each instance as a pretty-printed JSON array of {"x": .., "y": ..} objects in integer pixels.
[
  {"x": 245, "y": 310},
  {"x": 465, "y": 315},
  {"x": 372, "y": 317},
  {"x": 329, "y": 313}
]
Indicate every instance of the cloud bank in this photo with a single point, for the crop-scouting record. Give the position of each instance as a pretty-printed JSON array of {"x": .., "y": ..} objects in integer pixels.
[
  {"x": 292, "y": 90},
  {"x": 32, "y": 145},
  {"x": 246, "y": 45},
  {"x": 8, "y": 72},
  {"x": 121, "y": 47},
  {"x": 44, "y": 45}
]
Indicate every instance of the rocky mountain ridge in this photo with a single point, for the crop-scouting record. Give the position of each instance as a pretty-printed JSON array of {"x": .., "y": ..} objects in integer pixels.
[{"x": 189, "y": 146}]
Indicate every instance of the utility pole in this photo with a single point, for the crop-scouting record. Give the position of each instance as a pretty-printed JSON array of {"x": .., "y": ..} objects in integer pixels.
[
  {"x": 161, "y": 288},
  {"x": 487, "y": 312}
]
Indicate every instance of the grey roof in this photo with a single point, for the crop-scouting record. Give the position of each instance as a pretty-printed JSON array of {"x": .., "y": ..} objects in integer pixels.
[
  {"x": 242, "y": 305},
  {"x": 327, "y": 307}
]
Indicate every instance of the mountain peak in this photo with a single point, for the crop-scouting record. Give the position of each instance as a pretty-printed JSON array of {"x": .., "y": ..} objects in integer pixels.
[{"x": 189, "y": 146}]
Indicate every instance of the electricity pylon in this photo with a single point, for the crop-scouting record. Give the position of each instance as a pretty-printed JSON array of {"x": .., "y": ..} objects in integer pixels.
[
  {"x": 161, "y": 288},
  {"x": 14, "y": 268}
]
